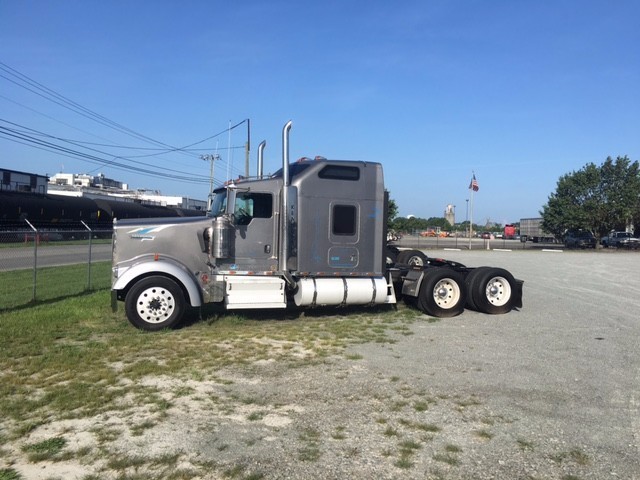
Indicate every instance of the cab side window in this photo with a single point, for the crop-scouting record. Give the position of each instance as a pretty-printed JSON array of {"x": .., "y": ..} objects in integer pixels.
[
  {"x": 345, "y": 220},
  {"x": 250, "y": 205}
]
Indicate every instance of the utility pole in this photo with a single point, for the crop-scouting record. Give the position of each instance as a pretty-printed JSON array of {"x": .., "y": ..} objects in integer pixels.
[
  {"x": 210, "y": 158},
  {"x": 247, "y": 148}
]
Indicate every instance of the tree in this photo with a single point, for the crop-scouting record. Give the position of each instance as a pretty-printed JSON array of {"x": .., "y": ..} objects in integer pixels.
[
  {"x": 621, "y": 189},
  {"x": 392, "y": 212},
  {"x": 595, "y": 198}
]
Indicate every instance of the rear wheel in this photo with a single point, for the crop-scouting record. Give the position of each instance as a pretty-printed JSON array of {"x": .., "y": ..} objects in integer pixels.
[
  {"x": 391, "y": 254},
  {"x": 469, "y": 282},
  {"x": 415, "y": 258},
  {"x": 442, "y": 293},
  {"x": 492, "y": 290},
  {"x": 155, "y": 303}
]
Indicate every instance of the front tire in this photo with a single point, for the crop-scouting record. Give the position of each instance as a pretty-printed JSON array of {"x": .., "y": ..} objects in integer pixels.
[
  {"x": 442, "y": 293},
  {"x": 155, "y": 303}
]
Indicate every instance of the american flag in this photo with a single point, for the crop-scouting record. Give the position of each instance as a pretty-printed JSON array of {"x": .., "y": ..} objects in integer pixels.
[{"x": 474, "y": 184}]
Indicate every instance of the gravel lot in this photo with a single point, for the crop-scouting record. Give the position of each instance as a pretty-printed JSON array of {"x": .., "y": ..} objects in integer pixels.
[
  {"x": 560, "y": 378},
  {"x": 550, "y": 391}
]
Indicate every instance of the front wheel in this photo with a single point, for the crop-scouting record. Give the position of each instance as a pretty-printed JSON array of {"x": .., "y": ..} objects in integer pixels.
[
  {"x": 155, "y": 303},
  {"x": 442, "y": 293}
]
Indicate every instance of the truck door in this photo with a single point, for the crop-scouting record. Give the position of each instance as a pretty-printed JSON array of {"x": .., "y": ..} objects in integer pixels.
[{"x": 255, "y": 246}]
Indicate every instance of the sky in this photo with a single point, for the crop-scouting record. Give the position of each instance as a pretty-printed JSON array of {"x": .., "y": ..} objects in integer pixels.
[{"x": 518, "y": 92}]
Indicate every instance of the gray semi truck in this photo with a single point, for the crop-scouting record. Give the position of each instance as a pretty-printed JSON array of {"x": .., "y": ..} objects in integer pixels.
[{"x": 312, "y": 234}]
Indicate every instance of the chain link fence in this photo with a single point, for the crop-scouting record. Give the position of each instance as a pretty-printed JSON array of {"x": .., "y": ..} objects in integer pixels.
[{"x": 46, "y": 262}]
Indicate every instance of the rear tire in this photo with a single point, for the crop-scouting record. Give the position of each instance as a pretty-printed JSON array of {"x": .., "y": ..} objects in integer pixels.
[
  {"x": 155, "y": 303},
  {"x": 391, "y": 254},
  {"x": 493, "y": 291},
  {"x": 469, "y": 282},
  {"x": 442, "y": 293},
  {"x": 414, "y": 258}
]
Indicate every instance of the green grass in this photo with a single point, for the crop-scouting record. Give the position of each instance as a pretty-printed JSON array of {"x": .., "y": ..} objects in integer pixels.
[
  {"x": 576, "y": 455},
  {"x": 309, "y": 450},
  {"x": 44, "y": 244},
  {"x": 9, "y": 474},
  {"x": 45, "y": 450},
  {"x": 52, "y": 283},
  {"x": 75, "y": 359}
]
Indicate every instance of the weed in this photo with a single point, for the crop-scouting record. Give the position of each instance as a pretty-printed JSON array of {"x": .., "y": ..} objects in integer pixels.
[
  {"x": 427, "y": 427},
  {"x": 106, "y": 434},
  {"x": 447, "y": 458},
  {"x": 168, "y": 459},
  {"x": 467, "y": 402},
  {"x": 452, "y": 448},
  {"x": 44, "y": 450},
  {"x": 254, "y": 476},
  {"x": 234, "y": 472},
  {"x": 354, "y": 356},
  {"x": 310, "y": 451},
  {"x": 122, "y": 462},
  {"x": 524, "y": 444},
  {"x": 9, "y": 474},
  {"x": 183, "y": 391},
  {"x": 182, "y": 474},
  {"x": 339, "y": 434},
  {"x": 484, "y": 434},
  {"x": 255, "y": 416},
  {"x": 139, "y": 429},
  {"x": 399, "y": 405},
  {"x": 390, "y": 432},
  {"x": 404, "y": 462},
  {"x": 409, "y": 446},
  {"x": 576, "y": 455}
]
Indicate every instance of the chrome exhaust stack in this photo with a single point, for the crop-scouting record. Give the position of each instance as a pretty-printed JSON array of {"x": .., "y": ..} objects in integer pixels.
[
  {"x": 284, "y": 254},
  {"x": 261, "y": 158}
]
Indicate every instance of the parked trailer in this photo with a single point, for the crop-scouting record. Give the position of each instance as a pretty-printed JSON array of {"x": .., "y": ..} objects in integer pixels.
[
  {"x": 531, "y": 230},
  {"x": 313, "y": 234},
  {"x": 509, "y": 231}
]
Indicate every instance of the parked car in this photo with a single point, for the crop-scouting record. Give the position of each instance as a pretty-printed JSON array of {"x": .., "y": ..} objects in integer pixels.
[
  {"x": 620, "y": 240},
  {"x": 579, "y": 239}
]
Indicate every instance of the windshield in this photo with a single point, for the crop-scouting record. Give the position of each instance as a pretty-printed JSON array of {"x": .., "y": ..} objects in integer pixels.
[{"x": 219, "y": 204}]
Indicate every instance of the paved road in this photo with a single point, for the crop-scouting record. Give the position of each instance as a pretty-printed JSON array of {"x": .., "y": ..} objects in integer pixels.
[{"x": 52, "y": 255}]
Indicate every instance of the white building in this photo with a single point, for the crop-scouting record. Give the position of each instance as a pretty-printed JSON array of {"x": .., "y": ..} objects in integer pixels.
[{"x": 83, "y": 185}]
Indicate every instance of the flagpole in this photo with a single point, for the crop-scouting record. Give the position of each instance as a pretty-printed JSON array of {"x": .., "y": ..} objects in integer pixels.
[
  {"x": 471, "y": 219},
  {"x": 473, "y": 186}
]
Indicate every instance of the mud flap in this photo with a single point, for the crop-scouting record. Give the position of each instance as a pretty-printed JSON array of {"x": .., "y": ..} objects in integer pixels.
[{"x": 411, "y": 283}]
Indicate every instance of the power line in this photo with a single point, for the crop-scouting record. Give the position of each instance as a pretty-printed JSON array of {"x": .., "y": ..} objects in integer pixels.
[
  {"x": 37, "y": 88},
  {"x": 25, "y": 139},
  {"x": 14, "y": 76}
]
